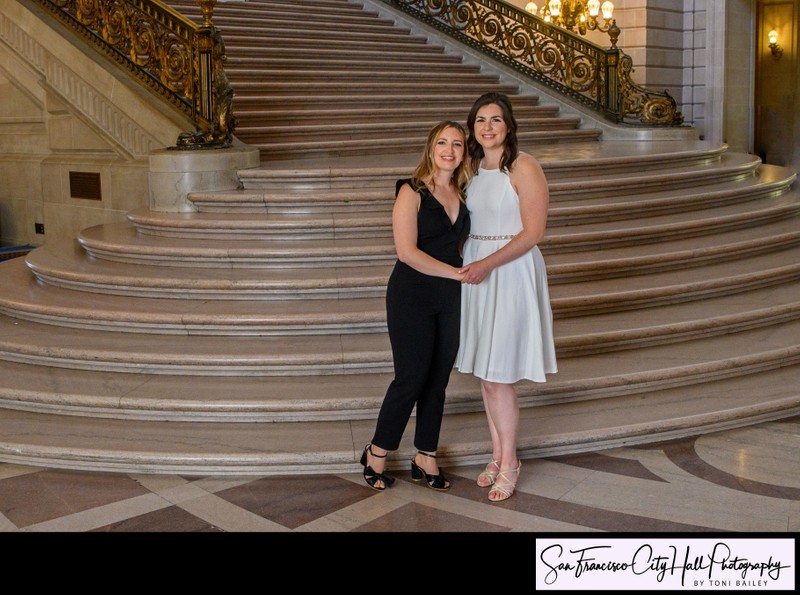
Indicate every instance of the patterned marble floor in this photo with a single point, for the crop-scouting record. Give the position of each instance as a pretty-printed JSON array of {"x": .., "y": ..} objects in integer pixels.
[{"x": 744, "y": 480}]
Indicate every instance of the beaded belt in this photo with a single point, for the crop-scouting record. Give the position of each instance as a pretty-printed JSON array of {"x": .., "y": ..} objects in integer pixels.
[{"x": 477, "y": 237}]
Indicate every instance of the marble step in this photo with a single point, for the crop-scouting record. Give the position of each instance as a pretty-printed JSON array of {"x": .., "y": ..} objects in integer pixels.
[
  {"x": 121, "y": 241},
  {"x": 354, "y": 100},
  {"x": 244, "y": 61},
  {"x": 247, "y": 448},
  {"x": 583, "y": 160},
  {"x": 730, "y": 168},
  {"x": 399, "y": 89},
  {"x": 422, "y": 55},
  {"x": 258, "y": 116},
  {"x": 236, "y": 307},
  {"x": 333, "y": 148},
  {"x": 412, "y": 47},
  {"x": 313, "y": 224},
  {"x": 625, "y": 325},
  {"x": 672, "y": 250},
  {"x": 368, "y": 132},
  {"x": 267, "y": 74},
  {"x": 190, "y": 351},
  {"x": 360, "y": 212},
  {"x": 603, "y": 179},
  {"x": 766, "y": 184},
  {"x": 70, "y": 267},
  {"x": 140, "y": 393},
  {"x": 663, "y": 228},
  {"x": 367, "y": 33},
  {"x": 664, "y": 287}
]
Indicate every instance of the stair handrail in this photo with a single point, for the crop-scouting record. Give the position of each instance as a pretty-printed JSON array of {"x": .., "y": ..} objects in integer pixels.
[
  {"x": 180, "y": 61},
  {"x": 597, "y": 78}
]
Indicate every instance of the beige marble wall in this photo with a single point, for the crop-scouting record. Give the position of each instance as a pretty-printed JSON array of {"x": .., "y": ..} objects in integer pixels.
[
  {"x": 61, "y": 110},
  {"x": 739, "y": 75}
]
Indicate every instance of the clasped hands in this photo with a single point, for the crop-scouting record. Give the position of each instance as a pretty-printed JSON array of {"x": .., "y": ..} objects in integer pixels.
[{"x": 474, "y": 272}]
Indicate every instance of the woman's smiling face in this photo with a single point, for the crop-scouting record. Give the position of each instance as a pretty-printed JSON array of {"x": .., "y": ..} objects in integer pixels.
[
  {"x": 490, "y": 128},
  {"x": 448, "y": 151}
]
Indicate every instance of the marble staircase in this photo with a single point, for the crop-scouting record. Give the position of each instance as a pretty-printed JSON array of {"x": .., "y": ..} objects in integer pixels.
[
  {"x": 304, "y": 74},
  {"x": 248, "y": 337}
]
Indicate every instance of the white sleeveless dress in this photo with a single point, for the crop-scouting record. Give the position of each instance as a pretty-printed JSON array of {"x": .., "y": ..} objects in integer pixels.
[{"x": 506, "y": 320}]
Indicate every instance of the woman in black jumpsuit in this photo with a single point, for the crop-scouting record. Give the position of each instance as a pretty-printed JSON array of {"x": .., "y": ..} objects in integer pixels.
[{"x": 423, "y": 305}]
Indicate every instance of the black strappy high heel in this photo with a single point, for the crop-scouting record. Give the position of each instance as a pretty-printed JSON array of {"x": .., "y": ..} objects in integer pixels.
[
  {"x": 370, "y": 475},
  {"x": 435, "y": 482}
]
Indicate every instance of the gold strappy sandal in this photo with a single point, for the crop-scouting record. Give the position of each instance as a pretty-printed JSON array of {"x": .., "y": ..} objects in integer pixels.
[
  {"x": 487, "y": 476},
  {"x": 503, "y": 487}
]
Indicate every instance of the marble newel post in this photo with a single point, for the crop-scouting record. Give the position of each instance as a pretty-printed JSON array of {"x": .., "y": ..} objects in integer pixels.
[{"x": 175, "y": 173}]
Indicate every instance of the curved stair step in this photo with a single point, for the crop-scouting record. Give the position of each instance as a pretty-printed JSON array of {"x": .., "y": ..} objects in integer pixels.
[
  {"x": 586, "y": 160},
  {"x": 192, "y": 355},
  {"x": 69, "y": 266},
  {"x": 144, "y": 395},
  {"x": 674, "y": 286},
  {"x": 597, "y": 177},
  {"x": 198, "y": 353},
  {"x": 660, "y": 229},
  {"x": 230, "y": 212},
  {"x": 765, "y": 185},
  {"x": 120, "y": 242},
  {"x": 189, "y": 448},
  {"x": 313, "y": 225},
  {"x": 236, "y": 309}
]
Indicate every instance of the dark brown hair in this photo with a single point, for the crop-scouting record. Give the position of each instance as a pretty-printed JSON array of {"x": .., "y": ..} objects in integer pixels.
[{"x": 511, "y": 145}]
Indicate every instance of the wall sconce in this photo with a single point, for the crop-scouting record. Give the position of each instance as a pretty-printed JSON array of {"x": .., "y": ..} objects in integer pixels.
[{"x": 776, "y": 50}]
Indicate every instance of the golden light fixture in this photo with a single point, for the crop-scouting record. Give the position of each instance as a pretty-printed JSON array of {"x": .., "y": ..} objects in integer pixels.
[
  {"x": 578, "y": 16},
  {"x": 776, "y": 50}
]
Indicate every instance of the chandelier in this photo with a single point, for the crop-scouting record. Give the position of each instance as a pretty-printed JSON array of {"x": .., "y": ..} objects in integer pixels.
[{"x": 578, "y": 16}]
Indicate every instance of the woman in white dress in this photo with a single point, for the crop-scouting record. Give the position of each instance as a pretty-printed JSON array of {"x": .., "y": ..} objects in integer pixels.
[{"x": 506, "y": 332}]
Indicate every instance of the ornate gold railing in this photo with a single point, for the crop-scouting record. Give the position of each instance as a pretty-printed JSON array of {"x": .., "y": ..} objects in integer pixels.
[
  {"x": 595, "y": 77},
  {"x": 175, "y": 58}
]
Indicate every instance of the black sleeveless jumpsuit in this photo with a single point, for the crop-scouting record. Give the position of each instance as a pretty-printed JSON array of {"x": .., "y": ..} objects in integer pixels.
[{"x": 423, "y": 314}]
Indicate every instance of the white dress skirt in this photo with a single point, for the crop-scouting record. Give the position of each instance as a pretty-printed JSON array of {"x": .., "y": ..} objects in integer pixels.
[{"x": 506, "y": 320}]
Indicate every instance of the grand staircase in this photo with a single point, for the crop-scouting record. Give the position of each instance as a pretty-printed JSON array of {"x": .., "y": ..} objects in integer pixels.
[{"x": 249, "y": 337}]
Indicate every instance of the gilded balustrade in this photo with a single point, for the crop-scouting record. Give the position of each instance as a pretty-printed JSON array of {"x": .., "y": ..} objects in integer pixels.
[
  {"x": 175, "y": 58},
  {"x": 595, "y": 77}
]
